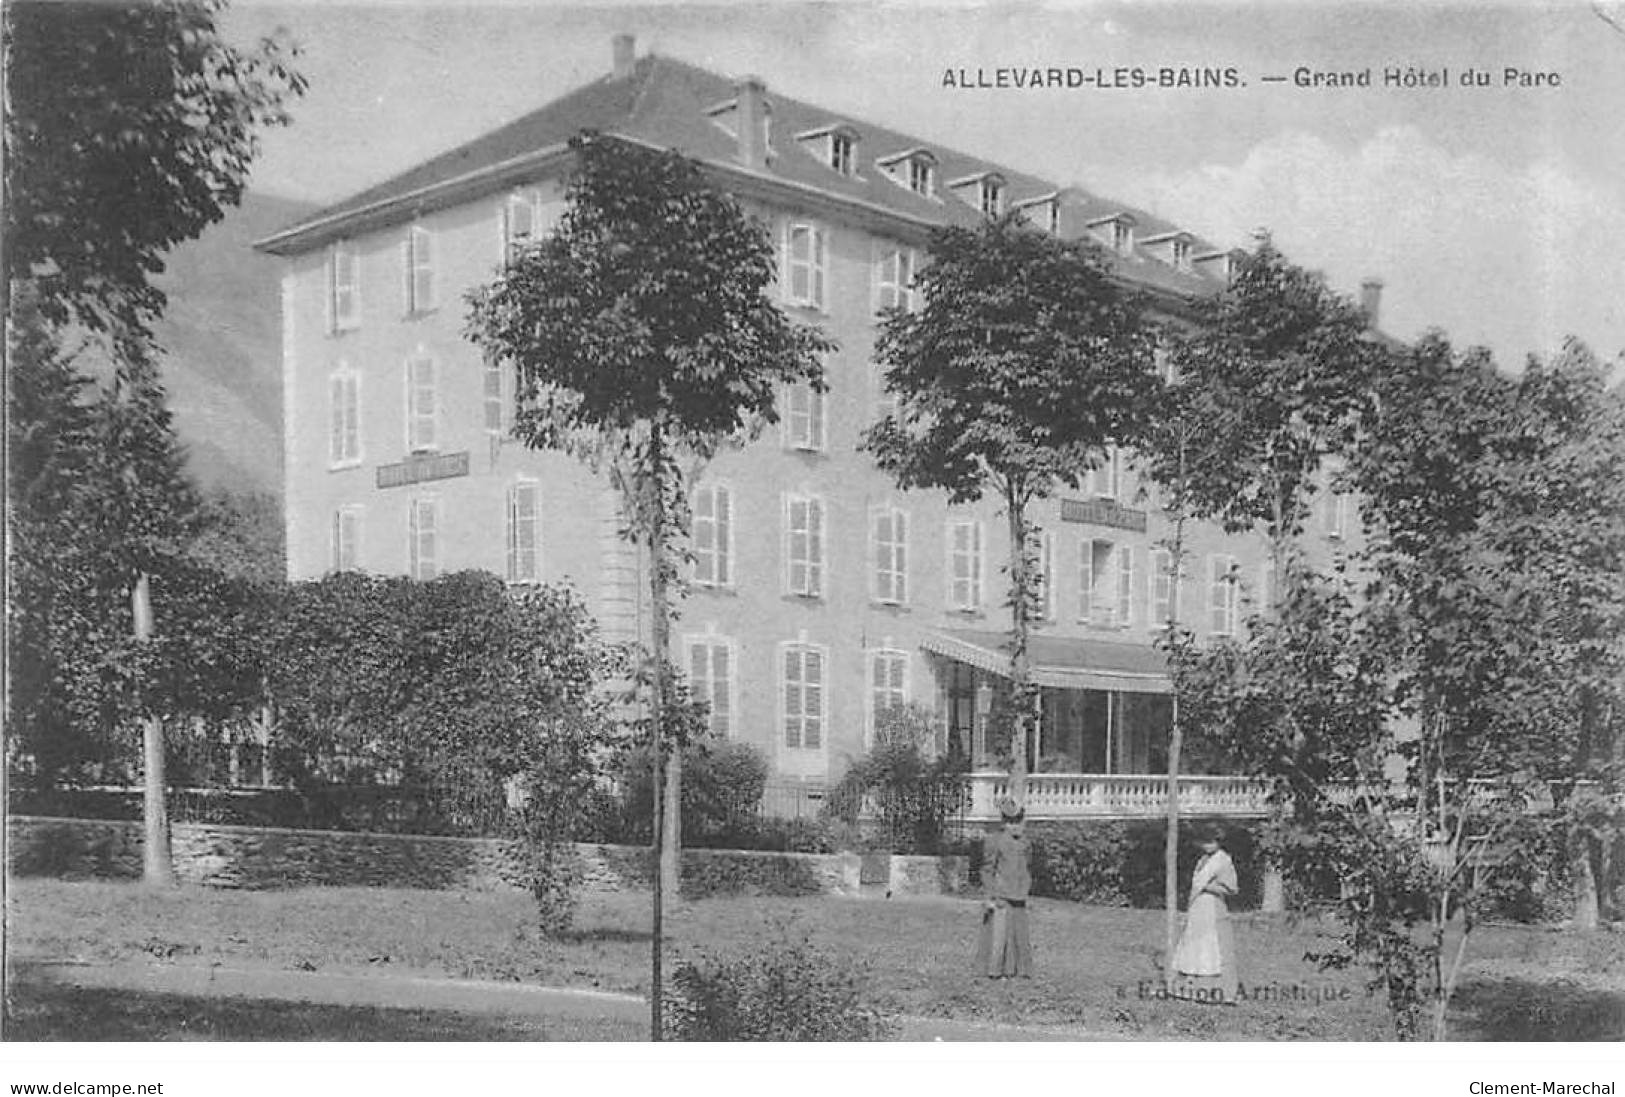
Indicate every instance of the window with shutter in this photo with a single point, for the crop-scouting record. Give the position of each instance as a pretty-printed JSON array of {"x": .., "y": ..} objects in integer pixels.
[{"x": 804, "y": 549}]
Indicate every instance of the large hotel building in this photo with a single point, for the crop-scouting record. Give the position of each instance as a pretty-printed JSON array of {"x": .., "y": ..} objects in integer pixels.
[{"x": 820, "y": 591}]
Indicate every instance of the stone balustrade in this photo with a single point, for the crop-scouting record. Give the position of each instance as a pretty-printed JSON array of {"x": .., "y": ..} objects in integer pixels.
[{"x": 1118, "y": 796}]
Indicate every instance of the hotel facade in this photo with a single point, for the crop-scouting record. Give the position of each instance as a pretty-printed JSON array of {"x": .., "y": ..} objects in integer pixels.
[{"x": 820, "y": 592}]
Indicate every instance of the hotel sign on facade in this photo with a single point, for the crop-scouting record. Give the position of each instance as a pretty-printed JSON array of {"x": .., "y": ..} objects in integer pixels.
[
  {"x": 1102, "y": 512},
  {"x": 415, "y": 470}
]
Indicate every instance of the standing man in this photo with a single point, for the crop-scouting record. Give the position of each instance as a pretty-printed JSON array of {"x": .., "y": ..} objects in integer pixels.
[{"x": 1006, "y": 946}]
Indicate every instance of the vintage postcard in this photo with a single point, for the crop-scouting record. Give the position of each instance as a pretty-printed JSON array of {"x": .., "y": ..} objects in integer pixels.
[{"x": 1124, "y": 496}]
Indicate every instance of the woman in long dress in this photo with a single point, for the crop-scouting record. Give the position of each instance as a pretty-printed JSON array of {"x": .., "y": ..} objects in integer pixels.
[
  {"x": 1005, "y": 946},
  {"x": 1205, "y": 960}
]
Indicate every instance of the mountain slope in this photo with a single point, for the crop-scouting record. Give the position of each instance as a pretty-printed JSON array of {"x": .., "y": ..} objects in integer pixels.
[{"x": 222, "y": 337}]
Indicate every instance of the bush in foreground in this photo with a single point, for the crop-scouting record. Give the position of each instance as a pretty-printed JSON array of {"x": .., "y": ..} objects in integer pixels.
[{"x": 785, "y": 990}]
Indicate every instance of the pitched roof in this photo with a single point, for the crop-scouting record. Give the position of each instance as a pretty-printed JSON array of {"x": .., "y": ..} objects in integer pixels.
[{"x": 668, "y": 103}]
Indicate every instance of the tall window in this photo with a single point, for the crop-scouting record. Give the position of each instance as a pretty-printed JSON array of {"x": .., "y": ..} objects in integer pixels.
[
  {"x": 1335, "y": 514},
  {"x": 417, "y": 262},
  {"x": 1105, "y": 480},
  {"x": 1123, "y": 609},
  {"x": 806, "y": 258},
  {"x": 713, "y": 536},
  {"x": 804, "y": 417},
  {"x": 894, "y": 278},
  {"x": 422, "y": 405},
  {"x": 347, "y": 539},
  {"x": 1266, "y": 586},
  {"x": 423, "y": 539},
  {"x": 1182, "y": 253},
  {"x": 492, "y": 397},
  {"x": 888, "y": 405},
  {"x": 1123, "y": 237},
  {"x": 1099, "y": 582},
  {"x": 888, "y": 682},
  {"x": 965, "y": 565},
  {"x": 803, "y": 686},
  {"x": 1221, "y": 595},
  {"x": 519, "y": 223},
  {"x": 1162, "y": 588},
  {"x": 921, "y": 177},
  {"x": 804, "y": 545},
  {"x": 343, "y": 286},
  {"x": 524, "y": 532},
  {"x": 1041, "y": 551},
  {"x": 344, "y": 429},
  {"x": 840, "y": 153},
  {"x": 710, "y": 680},
  {"x": 889, "y": 533}
]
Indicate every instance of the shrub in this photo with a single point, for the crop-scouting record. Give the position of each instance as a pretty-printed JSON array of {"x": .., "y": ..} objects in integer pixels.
[
  {"x": 913, "y": 794},
  {"x": 785, "y": 990},
  {"x": 791, "y": 836},
  {"x": 1083, "y": 863},
  {"x": 722, "y": 792}
]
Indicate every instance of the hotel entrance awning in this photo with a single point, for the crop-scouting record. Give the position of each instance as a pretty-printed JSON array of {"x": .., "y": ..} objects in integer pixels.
[{"x": 1060, "y": 662}]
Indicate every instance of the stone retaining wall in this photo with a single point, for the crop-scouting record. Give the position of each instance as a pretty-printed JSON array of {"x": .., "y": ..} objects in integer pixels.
[{"x": 265, "y": 857}]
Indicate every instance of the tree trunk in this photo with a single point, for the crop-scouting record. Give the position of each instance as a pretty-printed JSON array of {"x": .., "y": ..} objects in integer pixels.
[
  {"x": 1176, "y": 744},
  {"x": 1170, "y": 854},
  {"x": 666, "y": 837},
  {"x": 1024, "y": 697},
  {"x": 158, "y": 869},
  {"x": 157, "y": 865},
  {"x": 671, "y": 849}
]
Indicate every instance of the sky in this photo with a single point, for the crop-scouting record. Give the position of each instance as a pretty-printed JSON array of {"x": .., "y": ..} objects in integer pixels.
[{"x": 1495, "y": 213}]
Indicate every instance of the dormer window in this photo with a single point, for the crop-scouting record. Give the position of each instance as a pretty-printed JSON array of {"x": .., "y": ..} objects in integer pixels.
[
  {"x": 984, "y": 190},
  {"x": 1116, "y": 232},
  {"x": 835, "y": 145},
  {"x": 1043, "y": 214},
  {"x": 1222, "y": 265},
  {"x": 915, "y": 169},
  {"x": 1173, "y": 248},
  {"x": 992, "y": 196}
]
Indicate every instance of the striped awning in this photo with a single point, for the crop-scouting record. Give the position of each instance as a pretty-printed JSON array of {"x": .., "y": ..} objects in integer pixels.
[{"x": 1060, "y": 662}]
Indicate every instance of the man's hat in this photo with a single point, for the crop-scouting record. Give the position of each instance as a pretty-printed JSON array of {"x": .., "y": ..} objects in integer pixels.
[{"x": 1009, "y": 809}]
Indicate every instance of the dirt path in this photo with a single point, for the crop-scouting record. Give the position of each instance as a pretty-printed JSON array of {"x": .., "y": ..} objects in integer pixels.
[{"x": 371, "y": 988}]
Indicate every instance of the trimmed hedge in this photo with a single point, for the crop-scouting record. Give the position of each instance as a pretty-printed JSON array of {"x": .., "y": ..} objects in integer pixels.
[{"x": 1120, "y": 863}]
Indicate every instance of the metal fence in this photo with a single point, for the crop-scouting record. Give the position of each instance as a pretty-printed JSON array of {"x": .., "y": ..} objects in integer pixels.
[{"x": 792, "y": 800}]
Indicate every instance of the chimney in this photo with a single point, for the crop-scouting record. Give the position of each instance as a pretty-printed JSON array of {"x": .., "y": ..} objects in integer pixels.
[
  {"x": 626, "y": 54},
  {"x": 1371, "y": 300},
  {"x": 752, "y": 111}
]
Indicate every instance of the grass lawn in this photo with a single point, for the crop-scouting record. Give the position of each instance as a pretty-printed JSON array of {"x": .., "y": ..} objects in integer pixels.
[{"x": 1520, "y": 983}]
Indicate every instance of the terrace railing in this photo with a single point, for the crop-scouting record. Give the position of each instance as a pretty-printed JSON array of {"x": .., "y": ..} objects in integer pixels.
[{"x": 1118, "y": 796}]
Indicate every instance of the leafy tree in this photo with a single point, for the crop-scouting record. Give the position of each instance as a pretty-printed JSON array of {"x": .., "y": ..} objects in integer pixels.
[
  {"x": 1274, "y": 378},
  {"x": 241, "y": 535},
  {"x": 1026, "y": 360},
  {"x": 1480, "y": 645},
  {"x": 643, "y": 337},
  {"x": 460, "y": 688},
  {"x": 1165, "y": 454},
  {"x": 1266, "y": 383},
  {"x": 49, "y": 433},
  {"x": 130, "y": 128}
]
